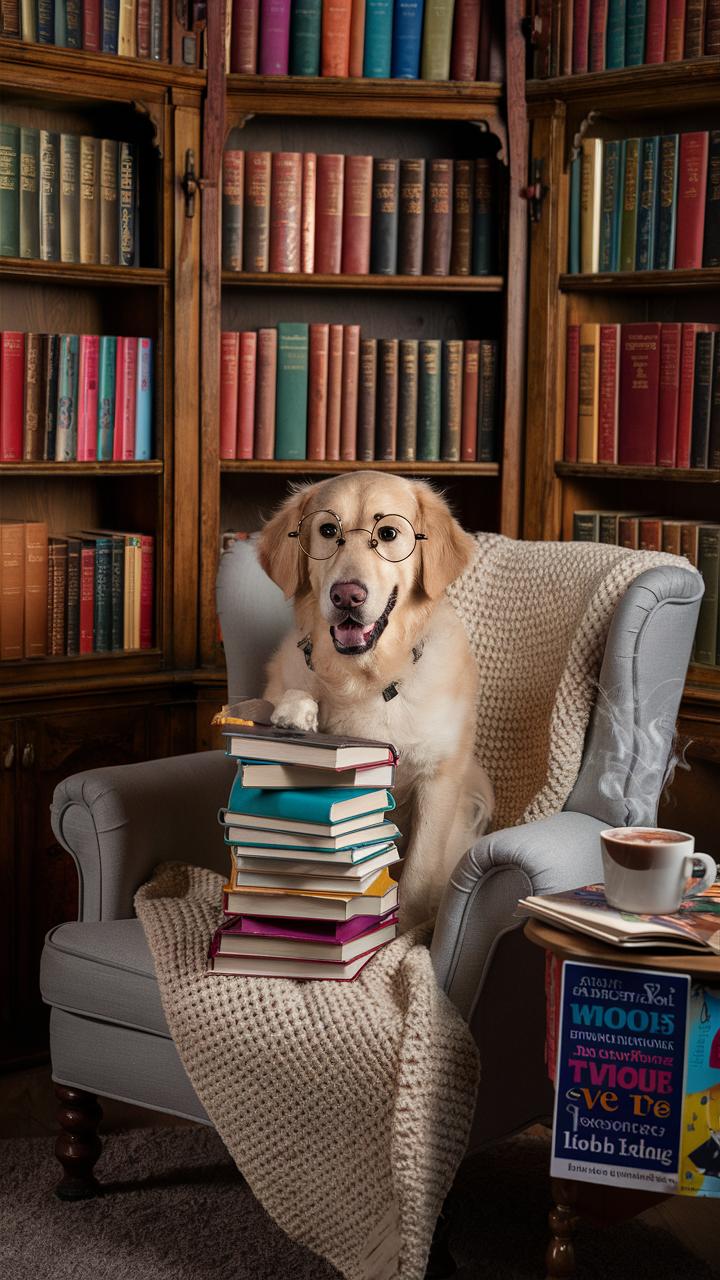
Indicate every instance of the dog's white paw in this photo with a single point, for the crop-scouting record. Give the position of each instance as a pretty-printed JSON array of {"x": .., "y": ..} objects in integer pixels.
[{"x": 296, "y": 710}]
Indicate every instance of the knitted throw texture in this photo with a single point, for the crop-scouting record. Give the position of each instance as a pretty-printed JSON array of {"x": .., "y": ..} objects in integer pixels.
[{"x": 347, "y": 1106}]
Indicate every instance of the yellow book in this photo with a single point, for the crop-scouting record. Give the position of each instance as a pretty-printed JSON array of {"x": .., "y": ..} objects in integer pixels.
[
  {"x": 590, "y": 203},
  {"x": 588, "y": 399},
  {"x": 380, "y": 897}
]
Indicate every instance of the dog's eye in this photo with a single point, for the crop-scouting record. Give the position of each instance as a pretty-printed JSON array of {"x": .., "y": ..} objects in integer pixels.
[
  {"x": 387, "y": 533},
  {"x": 328, "y": 530}
]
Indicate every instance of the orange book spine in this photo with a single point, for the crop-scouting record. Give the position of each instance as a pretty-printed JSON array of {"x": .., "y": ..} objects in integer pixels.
[
  {"x": 469, "y": 424},
  {"x": 318, "y": 391},
  {"x": 349, "y": 400},
  {"x": 229, "y": 348},
  {"x": 334, "y": 404},
  {"x": 357, "y": 209},
  {"x": 357, "y": 39},
  {"x": 12, "y": 591},
  {"x": 307, "y": 226},
  {"x": 247, "y": 365},
  {"x": 265, "y": 393},
  {"x": 285, "y": 209},
  {"x": 335, "y": 42}
]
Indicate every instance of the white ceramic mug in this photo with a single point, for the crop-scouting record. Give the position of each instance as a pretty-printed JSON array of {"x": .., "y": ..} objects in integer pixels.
[{"x": 647, "y": 869}]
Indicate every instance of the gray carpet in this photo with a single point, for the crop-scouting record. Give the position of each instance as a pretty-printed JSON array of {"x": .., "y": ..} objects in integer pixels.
[{"x": 175, "y": 1208}]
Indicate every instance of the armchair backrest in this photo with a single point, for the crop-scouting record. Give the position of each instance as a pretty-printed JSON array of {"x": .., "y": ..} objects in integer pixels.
[{"x": 254, "y": 616}]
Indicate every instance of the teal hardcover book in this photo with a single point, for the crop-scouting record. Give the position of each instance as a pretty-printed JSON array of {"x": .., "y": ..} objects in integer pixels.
[
  {"x": 66, "y": 433},
  {"x": 647, "y": 204},
  {"x": 615, "y": 35},
  {"x": 292, "y": 391},
  {"x": 610, "y": 206},
  {"x": 325, "y": 805},
  {"x": 429, "y": 400},
  {"x": 574, "y": 216},
  {"x": 378, "y": 39},
  {"x": 636, "y": 14},
  {"x": 305, "y": 28},
  {"x": 667, "y": 203},
  {"x": 106, "y": 398}
]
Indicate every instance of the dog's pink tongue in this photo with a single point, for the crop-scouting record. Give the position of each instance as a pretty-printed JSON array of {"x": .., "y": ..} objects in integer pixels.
[{"x": 350, "y": 634}]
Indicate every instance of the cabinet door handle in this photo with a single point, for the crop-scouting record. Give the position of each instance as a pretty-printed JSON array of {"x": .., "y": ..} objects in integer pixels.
[
  {"x": 28, "y": 756},
  {"x": 9, "y": 757}
]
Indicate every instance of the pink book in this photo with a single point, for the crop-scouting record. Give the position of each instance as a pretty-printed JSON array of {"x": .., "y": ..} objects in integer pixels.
[
  {"x": 229, "y": 352},
  {"x": 125, "y": 400},
  {"x": 656, "y": 30},
  {"x": 669, "y": 395},
  {"x": 147, "y": 554},
  {"x": 609, "y": 392},
  {"x": 692, "y": 186},
  {"x": 274, "y": 37},
  {"x": 349, "y": 399},
  {"x": 247, "y": 366},
  {"x": 89, "y": 350},
  {"x": 307, "y": 222},
  {"x": 307, "y": 931}
]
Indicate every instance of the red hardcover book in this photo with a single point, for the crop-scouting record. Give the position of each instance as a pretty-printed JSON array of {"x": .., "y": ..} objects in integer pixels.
[
  {"x": 639, "y": 386},
  {"x": 608, "y": 393},
  {"x": 334, "y": 400},
  {"x": 581, "y": 35},
  {"x": 285, "y": 207},
  {"x": 650, "y": 533},
  {"x": 469, "y": 422},
  {"x": 465, "y": 39},
  {"x": 256, "y": 211},
  {"x": 143, "y": 28},
  {"x": 12, "y": 374},
  {"x": 244, "y": 37},
  {"x": 87, "y": 598},
  {"x": 265, "y": 393},
  {"x": 675, "y": 37},
  {"x": 692, "y": 186},
  {"x": 349, "y": 397},
  {"x": 656, "y": 30},
  {"x": 87, "y": 405},
  {"x": 91, "y": 25},
  {"x": 229, "y": 354},
  {"x": 572, "y": 393},
  {"x": 147, "y": 576},
  {"x": 307, "y": 224},
  {"x": 669, "y": 394},
  {"x": 335, "y": 41},
  {"x": 317, "y": 391},
  {"x": 329, "y": 214},
  {"x": 357, "y": 209},
  {"x": 688, "y": 344},
  {"x": 125, "y": 399},
  {"x": 247, "y": 367},
  {"x": 357, "y": 39},
  {"x": 598, "y": 30}
]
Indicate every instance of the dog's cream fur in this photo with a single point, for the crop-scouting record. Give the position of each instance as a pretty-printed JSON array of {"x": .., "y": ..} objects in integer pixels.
[{"x": 444, "y": 797}]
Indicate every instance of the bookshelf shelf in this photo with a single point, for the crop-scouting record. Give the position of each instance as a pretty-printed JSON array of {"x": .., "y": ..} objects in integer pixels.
[
  {"x": 32, "y": 57},
  {"x": 705, "y": 279},
  {"x": 80, "y": 273},
  {"x": 68, "y": 470},
  {"x": 124, "y": 666},
  {"x": 656, "y": 88},
  {"x": 614, "y": 471},
  {"x": 389, "y": 99},
  {"x": 397, "y": 284},
  {"x": 456, "y": 469}
]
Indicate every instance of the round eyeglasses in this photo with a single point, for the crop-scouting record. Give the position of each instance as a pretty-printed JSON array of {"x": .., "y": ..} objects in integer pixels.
[{"x": 321, "y": 533}]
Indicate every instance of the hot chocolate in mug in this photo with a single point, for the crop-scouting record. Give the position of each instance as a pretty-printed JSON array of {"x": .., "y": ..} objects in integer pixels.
[{"x": 647, "y": 869}]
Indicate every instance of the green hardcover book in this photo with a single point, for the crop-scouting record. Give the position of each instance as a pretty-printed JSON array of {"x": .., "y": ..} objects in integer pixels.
[
  {"x": 292, "y": 389},
  {"x": 628, "y": 217},
  {"x": 49, "y": 196},
  {"x": 66, "y": 436},
  {"x": 610, "y": 205},
  {"x": 607, "y": 528},
  {"x": 636, "y": 13},
  {"x": 574, "y": 215},
  {"x": 483, "y": 229},
  {"x": 69, "y": 197},
  {"x": 29, "y": 205},
  {"x": 429, "y": 400},
  {"x": 586, "y": 526},
  {"x": 615, "y": 35},
  {"x": 407, "y": 399},
  {"x": 667, "y": 203},
  {"x": 9, "y": 190},
  {"x": 706, "y": 636},
  {"x": 452, "y": 382},
  {"x": 487, "y": 445},
  {"x": 106, "y": 398},
  {"x": 647, "y": 204},
  {"x": 437, "y": 40},
  {"x": 305, "y": 28}
]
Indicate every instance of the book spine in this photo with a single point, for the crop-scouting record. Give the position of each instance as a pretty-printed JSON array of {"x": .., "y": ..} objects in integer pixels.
[
  {"x": 35, "y": 626},
  {"x": 588, "y": 394},
  {"x": 88, "y": 201},
  {"x": 335, "y": 41},
  {"x": 647, "y": 204},
  {"x": 10, "y": 18},
  {"x": 367, "y": 399},
  {"x": 29, "y": 170},
  {"x": 87, "y": 403},
  {"x": 437, "y": 40},
  {"x": 117, "y": 577},
  {"x": 702, "y": 391},
  {"x": 73, "y": 24},
  {"x": 143, "y": 29},
  {"x": 69, "y": 197},
  {"x": 127, "y": 28},
  {"x": 129, "y": 579},
  {"x": 307, "y": 226},
  {"x": 411, "y": 217},
  {"x": 52, "y": 370},
  {"x": 483, "y": 218},
  {"x": 572, "y": 392},
  {"x": 147, "y": 579},
  {"x": 639, "y": 393},
  {"x": 107, "y": 357},
  {"x": 387, "y": 398},
  {"x": 465, "y": 40},
  {"x": 127, "y": 202},
  {"x": 72, "y": 614},
  {"x": 33, "y": 397},
  {"x": 384, "y": 220},
  {"x": 488, "y": 447},
  {"x": 574, "y": 214},
  {"x": 712, "y": 28},
  {"x": 635, "y": 33},
  {"x": 292, "y": 389},
  {"x": 581, "y": 36},
  {"x": 125, "y": 400},
  {"x": 329, "y": 214},
  {"x": 462, "y": 218},
  {"x": 57, "y": 591},
  {"x": 609, "y": 227},
  {"x": 407, "y": 39},
  {"x": 706, "y": 635},
  {"x": 692, "y": 185},
  {"x": 438, "y": 218},
  {"x": 685, "y": 397},
  {"x": 356, "y": 52},
  {"x": 656, "y": 31},
  {"x": 598, "y": 28},
  {"x": 256, "y": 212},
  {"x": 45, "y": 23},
  {"x": 266, "y": 391},
  {"x": 334, "y": 403},
  {"x": 667, "y": 203},
  {"x": 668, "y": 393},
  {"x": 12, "y": 372},
  {"x": 87, "y": 599},
  {"x": 110, "y": 21},
  {"x": 675, "y": 40},
  {"x": 12, "y": 591},
  {"x": 407, "y": 399},
  {"x": 273, "y": 55},
  {"x": 628, "y": 220},
  {"x": 452, "y": 370},
  {"x": 247, "y": 372},
  {"x": 285, "y": 211},
  {"x": 711, "y": 236},
  {"x": 586, "y": 526},
  {"x": 357, "y": 211},
  {"x": 109, "y": 197},
  {"x": 590, "y": 195},
  {"x": 244, "y": 36},
  {"x": 650, "y": 534},
  {"x": 608, "y": 393},
  {"x": 378, "y": 39},
  {"x": 233, "y": 172},
  {"x": 318, "y": 391},
  {"x": 694, "y": 28},
  {"x": 615, "y": 39},
  {"x": 470, "y": 391},
  {"x": 671, "y": 537},
  {"x": 429, "y": 400},
  {"x": 66, "y": 435},
  {"x": 102, "y": 595},
  {"x": 91, "y": 25},
  {"x": 229, "y": 356},
  {"x": 714, "y": 432},
  {"x": 349, "y": 397},
  {"x": 143, "y": 400},
  {"x": 607, "y": 528},
  {"x": 156, "y": 30}
]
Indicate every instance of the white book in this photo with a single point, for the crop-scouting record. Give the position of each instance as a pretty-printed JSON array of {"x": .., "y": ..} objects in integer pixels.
[
  {"x": 331, "y": 857},
  {"x": 292, "y": 875},
  {"x": 274, "y": 967},
  {"x": 296, "y": 777},
  {"x": 252, "y": 836},
  {"x": 284, "y": 825}
]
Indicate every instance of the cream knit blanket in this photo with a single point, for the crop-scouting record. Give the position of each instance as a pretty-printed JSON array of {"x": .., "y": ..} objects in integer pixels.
[{"x": 347, "y": 1107}]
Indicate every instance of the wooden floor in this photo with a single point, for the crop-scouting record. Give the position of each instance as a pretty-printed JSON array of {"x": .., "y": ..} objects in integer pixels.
[{"x": 27, "y": 1109}]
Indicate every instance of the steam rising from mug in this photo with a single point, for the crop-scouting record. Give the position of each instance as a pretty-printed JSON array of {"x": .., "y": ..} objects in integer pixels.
[{"x": 641, "y": 762}]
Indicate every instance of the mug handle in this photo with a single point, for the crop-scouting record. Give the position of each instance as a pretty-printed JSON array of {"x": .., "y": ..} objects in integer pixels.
[{"x": 707, "y": 879}]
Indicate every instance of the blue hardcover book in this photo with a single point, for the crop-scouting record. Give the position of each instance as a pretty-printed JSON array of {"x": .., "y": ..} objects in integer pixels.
[
  {"x": 305, "y": 29},
  {"x": 110, "y": 19},
  {"x": 610, "y": 206},
  {"x": 407, "y": 39},
  {"x": 667, "y": 202},
  {"x": 321, "y": 806},
  {"x": 60, "y": 25},
  {"x": 636, "y": 14},
  {"x": 143, "y": 400},
  {"x": 46, "y": 21},
  {"x": 574, "y": 216},
  {"x": 378, "y": 39},
  {"x": 106, "y": 398},
  {"x": 647, "y": 204},
  {"x": 615, "y": 35}
]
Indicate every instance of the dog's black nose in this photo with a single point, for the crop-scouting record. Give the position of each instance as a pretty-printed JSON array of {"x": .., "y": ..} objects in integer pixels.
[{"x": 348, "y": 595}]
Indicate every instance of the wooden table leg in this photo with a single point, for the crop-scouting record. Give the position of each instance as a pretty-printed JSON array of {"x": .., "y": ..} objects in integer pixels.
[{"x": 560, "y": 1257}]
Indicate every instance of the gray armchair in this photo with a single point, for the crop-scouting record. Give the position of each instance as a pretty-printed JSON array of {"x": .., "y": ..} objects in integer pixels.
[{"x": 108, "y": 1032}]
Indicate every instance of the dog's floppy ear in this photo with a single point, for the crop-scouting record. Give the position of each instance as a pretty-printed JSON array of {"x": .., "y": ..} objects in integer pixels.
[
  {"x": 280, "y": 555},
  {"x": 448, "y": 550}
]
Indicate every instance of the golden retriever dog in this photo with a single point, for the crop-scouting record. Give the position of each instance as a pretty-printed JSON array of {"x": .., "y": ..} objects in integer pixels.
[{"x": 380, "y": 653}]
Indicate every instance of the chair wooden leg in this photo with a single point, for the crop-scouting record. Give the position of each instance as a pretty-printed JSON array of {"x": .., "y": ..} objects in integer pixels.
[
  {"x": 78, "y": 1144},
  {"x": 560, "y": 1257}
]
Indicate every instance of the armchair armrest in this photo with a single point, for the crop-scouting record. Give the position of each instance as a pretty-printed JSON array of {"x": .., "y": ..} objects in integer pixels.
[{"x": 118, "y": 823}]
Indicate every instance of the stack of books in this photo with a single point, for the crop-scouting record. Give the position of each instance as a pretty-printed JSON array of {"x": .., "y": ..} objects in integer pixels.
[
  {"x": 309, "y": 893},
  {"x": 135, "y": 28}
]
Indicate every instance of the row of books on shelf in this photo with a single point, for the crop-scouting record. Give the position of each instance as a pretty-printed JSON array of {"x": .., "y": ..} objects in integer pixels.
[
  {"x": 132, "y": 28},
  {"x": 697, "y": 540},
  {"x": 311, "y": 843},
  {"x": 603, "y": 35},
  {"x": 376, "y": 39},
  {"x": 289, "y": 211},
  {"x": 322, "y": 391},
  {"x": 643, "y": 204},
  {"x": 67, "y": 397},
  {"x": 86, "y": 592},
  {"x": 643, "y": 394},
  {"x": 67, "y": 197}
]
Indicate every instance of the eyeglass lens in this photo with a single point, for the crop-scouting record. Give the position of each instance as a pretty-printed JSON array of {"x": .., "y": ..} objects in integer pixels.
[{"x": 393, "y": 536}]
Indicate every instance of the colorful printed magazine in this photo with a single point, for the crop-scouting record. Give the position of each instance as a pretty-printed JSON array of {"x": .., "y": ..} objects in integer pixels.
[{"x": 695, "y": 927}]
